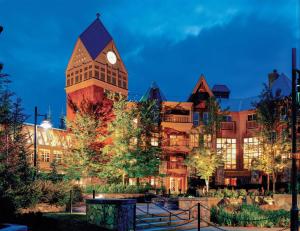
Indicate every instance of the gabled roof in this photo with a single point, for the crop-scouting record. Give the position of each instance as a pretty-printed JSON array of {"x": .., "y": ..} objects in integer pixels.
[
  {"x": 198, "y": 84},
  {"x": 282, "y": 86},
  {"x": 153, "y": 93},
  {"x": 220, "y": 88},
  {"x": 95, "y": 38}
]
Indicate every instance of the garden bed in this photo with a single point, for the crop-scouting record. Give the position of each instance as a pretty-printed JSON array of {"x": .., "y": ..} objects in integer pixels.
[{"x": 249, "y": 216}]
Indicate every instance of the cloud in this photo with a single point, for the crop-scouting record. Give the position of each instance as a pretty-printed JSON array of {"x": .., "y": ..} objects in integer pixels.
[{"x": 170, "y": 41}]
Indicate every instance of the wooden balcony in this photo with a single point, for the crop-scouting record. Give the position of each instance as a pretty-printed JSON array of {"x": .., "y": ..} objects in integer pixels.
[
  {"x": 228, "y": 126},
  {"x": 175, "y": 165},
  {"x": 251, "y": 124},
  {"x": 176, "y": 119}
]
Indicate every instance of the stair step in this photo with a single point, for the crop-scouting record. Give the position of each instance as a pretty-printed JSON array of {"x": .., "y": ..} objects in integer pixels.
[{"x": 190, "y": 226}]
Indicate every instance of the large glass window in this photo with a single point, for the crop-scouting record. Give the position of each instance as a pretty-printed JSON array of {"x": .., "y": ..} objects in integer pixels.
[
  {"x": 57, "y": 156},
  {"x": 252, "y": 149},
  {"x": 227, "y": 147},
  {"x": 45, "y": 155},
  {"x": 194, "y": 140}
]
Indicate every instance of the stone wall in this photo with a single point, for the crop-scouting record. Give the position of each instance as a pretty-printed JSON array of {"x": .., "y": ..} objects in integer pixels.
[
  {"x": 115, "y": 195},
  {"x": 208, "y": 202},
  {"x": 113, "y": 214}
]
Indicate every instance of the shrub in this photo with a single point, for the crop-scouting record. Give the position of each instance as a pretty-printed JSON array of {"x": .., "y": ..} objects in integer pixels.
[
  {"x": 49, "y": 192},
  {"x": 230, "y": 193},
  {"x": 249, "y": 215},
  {"x": 77, "y": 193},
  {"x": 117, "y": 188}
]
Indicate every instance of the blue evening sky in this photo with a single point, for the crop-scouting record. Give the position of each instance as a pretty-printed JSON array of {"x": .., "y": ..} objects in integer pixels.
[{"x": 172, "y": 42}]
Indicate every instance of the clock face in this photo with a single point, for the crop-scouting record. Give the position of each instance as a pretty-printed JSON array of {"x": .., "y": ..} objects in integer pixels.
[{"x": 111, "y": 57}]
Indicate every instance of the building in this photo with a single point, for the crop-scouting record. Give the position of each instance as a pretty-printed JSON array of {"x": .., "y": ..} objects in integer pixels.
[{"x": 96, "y": 70}]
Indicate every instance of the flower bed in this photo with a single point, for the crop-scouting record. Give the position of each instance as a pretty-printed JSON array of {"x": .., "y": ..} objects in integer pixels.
[{"x": 248, "y": 215}]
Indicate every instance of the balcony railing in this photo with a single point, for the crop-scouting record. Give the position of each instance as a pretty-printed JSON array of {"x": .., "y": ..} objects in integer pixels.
[
  {"x": 175, "y": 165},
  {"x": 230, "y": 126},
  {"x": 174, "y": 143},
  {"x": 251, "y": 124},
  {"x": 176, "y": 119}
]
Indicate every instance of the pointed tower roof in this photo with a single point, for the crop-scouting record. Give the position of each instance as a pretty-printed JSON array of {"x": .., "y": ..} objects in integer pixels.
[
  {"x": 95, "y": 38},
  {"x": 153, "y": 93}
]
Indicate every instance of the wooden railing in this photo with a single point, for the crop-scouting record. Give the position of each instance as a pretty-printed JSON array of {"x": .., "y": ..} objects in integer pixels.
[
  {"x": 230, "y": 126},
  {"x": 251, "y": 124},
  {"x": 176, "y": 119},
  {"x": 175, "y": 165},
  {"x": 174, "y": 143}
]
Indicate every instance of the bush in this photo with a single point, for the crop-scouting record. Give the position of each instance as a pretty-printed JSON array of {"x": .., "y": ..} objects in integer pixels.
[
  {"x": 249, "y": 215},
  {"x": 49, "y": 192},
  {"x": 117, "y": 188},
  {"x": 77, "y": 193}
]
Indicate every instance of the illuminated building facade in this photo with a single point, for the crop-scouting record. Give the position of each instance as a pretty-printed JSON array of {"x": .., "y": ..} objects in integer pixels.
[{"x": 95, "y": 70}]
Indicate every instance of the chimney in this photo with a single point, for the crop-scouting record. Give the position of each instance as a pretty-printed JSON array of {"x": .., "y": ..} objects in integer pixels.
[{"x": 272, "y": 77}]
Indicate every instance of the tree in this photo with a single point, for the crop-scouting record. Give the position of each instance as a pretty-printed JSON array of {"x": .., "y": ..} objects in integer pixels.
[
  {"x": 203, "y": 162},
  {"x": 272, "y": 117},
  {"x": 206, "y": 151},
  {"x": 15, "y": 171},
  {"x": 123, "y": 130},
  {"x": 89, "y": 131},
  {"x": 146, "y": 155}
]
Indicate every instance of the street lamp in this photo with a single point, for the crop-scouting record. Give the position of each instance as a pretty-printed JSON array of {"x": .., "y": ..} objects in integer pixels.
[
  {"x": 294, "y": 210},
  {"x": 46, "y": 124}
]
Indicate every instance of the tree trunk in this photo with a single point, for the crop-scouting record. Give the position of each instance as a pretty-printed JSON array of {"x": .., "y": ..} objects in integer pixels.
[
  {"x": 137, "y": 181},
  {"x": 274, "y": 181},
  {"x": 207, "y": 185},
  {"x": 268, "y": 182},
  {"x": 123, "y": 178}
]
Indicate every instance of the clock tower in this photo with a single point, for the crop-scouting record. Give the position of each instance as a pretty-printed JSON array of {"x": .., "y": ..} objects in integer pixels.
[{"x": 95, "y": 69}]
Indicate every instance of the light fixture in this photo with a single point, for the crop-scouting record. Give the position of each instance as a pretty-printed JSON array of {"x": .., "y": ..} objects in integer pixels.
[{"x": 46, "y": 124}]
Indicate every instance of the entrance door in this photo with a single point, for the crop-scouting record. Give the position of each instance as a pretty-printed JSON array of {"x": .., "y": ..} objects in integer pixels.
[{"x": 176, "y": 184}]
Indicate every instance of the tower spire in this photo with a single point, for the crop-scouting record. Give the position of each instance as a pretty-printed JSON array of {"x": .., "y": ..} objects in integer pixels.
[{"x": 97, "y": 15}]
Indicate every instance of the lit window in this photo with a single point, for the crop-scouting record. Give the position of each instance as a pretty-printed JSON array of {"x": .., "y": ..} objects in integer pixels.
[
  {"x": 133, "y": 141},
  {"x": 57, "y": 156},
  {"x": 177, "y": 140},
  {"x": 45, "y": 155},
  {"x": 227, "y": 147},
  {"x": 194, "y": 140},
  {"x": 196, "y": 118},
  {"x": 207, "y": 141},
  {"x": 154, "y": 139},
  {"x": 252, "y": 150}
]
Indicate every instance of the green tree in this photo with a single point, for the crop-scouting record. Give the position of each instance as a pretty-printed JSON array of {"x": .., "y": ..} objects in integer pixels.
[
  {"x": 89, "y": 130},
  {"x": 272, "y": 114},
  {"x": 206, "y": 152},
  {"x": 147, "y": 156},
  {"x": 123, "y": 131},
  {"x": 15, "y": 171},
  {"x": 204, "y": 161}
]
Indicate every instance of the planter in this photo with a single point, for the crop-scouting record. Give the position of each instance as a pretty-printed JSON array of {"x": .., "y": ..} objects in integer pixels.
[{"x": 172, "y": 204}]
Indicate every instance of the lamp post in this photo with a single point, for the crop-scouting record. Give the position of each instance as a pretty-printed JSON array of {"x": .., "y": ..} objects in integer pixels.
[
  {"x": 46, "y": 124},
  {"x": 294, "y": 210}
]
